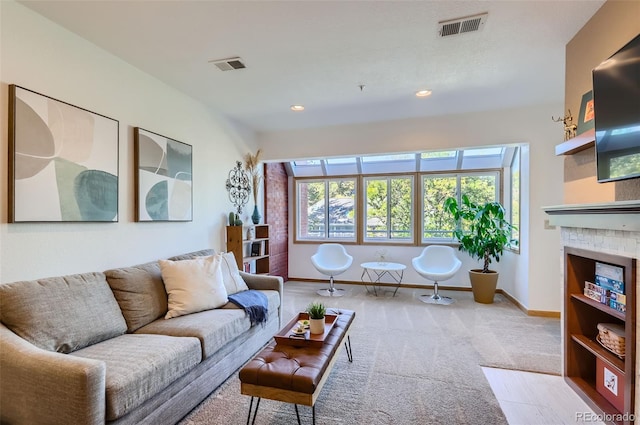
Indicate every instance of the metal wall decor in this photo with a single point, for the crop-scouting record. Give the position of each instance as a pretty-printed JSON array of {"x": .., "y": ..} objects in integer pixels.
[{"x": 238, "y": 186}]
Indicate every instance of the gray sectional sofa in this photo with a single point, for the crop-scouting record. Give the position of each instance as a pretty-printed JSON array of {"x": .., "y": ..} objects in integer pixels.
[{"x": 94, "y": 348}]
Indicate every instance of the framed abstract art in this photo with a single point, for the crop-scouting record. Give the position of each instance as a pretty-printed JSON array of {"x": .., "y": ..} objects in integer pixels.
[
  {"x": 163, "y": 178},
  {"x": 63, "y": 161}
]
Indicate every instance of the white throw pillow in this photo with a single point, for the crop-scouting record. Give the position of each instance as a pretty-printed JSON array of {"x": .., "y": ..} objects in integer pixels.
[
  {"x": 233, "y": 282},
  {"x": 193, "y": 285}
]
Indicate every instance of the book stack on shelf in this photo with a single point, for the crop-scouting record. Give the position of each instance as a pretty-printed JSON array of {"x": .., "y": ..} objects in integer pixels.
[
  {"x": 608, "y": 288},
  {"x": 611, "y": 278}
]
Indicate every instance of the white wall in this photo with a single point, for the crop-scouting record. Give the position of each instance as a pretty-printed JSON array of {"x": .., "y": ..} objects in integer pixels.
[
  {"x": 531, "y": 276},
  {"x": 42, "y": 56}
]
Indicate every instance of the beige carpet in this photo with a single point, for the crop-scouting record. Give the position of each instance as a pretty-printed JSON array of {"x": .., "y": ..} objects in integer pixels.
[{"x": 413, "y": 363}]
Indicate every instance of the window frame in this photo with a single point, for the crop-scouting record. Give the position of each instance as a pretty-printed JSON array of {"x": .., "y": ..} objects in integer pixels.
[
  {"x": 327, "y": 181},
  {"x": 497, "y": 172},
  {"x": 417, "y": 206},
  {"x": 517, "y": 158},
  {"x": 412, "y": 225}
]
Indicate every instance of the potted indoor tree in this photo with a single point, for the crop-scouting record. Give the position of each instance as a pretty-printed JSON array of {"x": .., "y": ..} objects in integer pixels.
[
  {"x": 484, "y": 233},
  {"x": 316, "y": 317}
]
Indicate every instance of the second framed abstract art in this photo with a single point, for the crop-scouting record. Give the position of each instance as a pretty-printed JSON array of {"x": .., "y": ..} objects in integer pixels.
[{"x": 163, "y": 178}]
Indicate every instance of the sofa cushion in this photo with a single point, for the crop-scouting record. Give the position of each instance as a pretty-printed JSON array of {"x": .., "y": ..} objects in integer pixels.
[
  {"x": 233, "y": 282},
  {"x": 214, "y": 328},
  {"x": 140, "y": 293},
  {"x": 141, "y": 366},
  {"x": 63, "y": 313},
  {"x": 193, "y": 285}
]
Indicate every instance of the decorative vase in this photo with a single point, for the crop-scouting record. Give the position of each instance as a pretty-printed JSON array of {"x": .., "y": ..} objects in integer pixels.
[
  {"x": 316, "y": 326},
  {"x": 255, "y": 217},
  {"x": 251, "y": 233}
]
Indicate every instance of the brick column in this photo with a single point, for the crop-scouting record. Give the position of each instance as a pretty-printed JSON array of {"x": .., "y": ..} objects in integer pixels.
[{"x": 276, "y": 189}]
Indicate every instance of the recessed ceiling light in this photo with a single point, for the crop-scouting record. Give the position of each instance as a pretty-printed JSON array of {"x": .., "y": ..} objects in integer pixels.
[
  {"x": 423, "y": 93},
  {"x": 297, "y": 108}
]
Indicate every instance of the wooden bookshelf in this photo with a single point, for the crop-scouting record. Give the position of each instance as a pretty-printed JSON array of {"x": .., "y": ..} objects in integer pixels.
[
  {"x": 582, "y": 315},
  {"x": 242, "y": 247}
]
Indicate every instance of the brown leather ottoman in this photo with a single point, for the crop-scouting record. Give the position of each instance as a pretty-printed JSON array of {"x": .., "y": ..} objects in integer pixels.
[{"x": 295, "y": 374}]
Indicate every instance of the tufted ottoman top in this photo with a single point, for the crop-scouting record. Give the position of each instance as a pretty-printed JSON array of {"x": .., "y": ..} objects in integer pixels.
[{"x": 297, "y": 369}]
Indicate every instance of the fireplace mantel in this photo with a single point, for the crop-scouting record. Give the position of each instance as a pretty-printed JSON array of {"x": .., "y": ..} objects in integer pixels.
[{"x": 623, "y": 215}]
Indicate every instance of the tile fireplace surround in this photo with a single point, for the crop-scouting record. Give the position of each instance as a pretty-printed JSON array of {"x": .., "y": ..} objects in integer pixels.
[{"x": 612, "y": 228}]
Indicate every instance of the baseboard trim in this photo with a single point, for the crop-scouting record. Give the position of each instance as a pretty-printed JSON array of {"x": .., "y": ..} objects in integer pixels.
[
  {"x": 508, "y": 296},
  {"x": 403, "y": 284},
  {"x": 536, "y": 313}
]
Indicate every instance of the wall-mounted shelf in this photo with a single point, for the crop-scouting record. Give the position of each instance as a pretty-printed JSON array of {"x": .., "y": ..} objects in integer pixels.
[{"x": 577, "y": 144}]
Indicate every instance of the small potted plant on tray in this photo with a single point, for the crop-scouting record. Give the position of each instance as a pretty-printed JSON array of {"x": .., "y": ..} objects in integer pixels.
[{"x": 316, "y": 317}]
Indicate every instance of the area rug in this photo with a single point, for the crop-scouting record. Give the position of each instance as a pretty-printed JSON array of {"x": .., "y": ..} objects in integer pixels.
[{"x": 413, "y": 363}]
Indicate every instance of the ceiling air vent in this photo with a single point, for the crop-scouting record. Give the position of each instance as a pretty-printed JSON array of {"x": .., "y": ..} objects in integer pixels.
[
  {"x": 228, "y": 64},
  {"x": 462, "y": 25}
]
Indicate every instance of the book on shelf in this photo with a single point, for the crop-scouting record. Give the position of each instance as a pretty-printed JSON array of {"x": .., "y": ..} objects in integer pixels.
[
  {"x": 610, "y": 284},
  {"x": 596, "y": 296},
  {"x": 619, "y": 298},
  {"x": 622, "y": 308},
  {"x": 609, "y": 271}
]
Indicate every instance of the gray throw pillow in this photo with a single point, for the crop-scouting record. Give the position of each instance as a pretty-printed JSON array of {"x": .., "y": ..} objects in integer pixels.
[
  {"x": 63, "y": 313},
  {"x": 140, "y": 293}
]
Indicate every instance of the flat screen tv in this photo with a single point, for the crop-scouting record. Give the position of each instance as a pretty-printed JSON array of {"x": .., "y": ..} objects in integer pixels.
[{"x": 616, "y": 104}]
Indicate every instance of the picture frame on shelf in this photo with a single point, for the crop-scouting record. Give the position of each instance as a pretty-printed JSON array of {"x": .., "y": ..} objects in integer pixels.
[
  {"x": 63, "y": 161},
  {"x": 256, "y": 248},
  {"x": 163, "y": 178},
  {"x": 586, "y": 117}
]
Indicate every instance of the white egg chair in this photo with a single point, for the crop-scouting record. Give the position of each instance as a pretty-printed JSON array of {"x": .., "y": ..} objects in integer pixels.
[
  {"x": 437, "y": 263},
  {"x": 331, "y": 259}
]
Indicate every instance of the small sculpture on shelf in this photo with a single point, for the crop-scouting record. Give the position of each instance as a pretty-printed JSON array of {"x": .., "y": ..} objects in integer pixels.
[
  {"x": 234, "y": 219},
  {"x": 569, "y": 127}
]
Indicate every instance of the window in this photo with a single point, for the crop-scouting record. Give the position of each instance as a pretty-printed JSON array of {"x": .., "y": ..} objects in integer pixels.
[
  {"x": 389, "y": 158},
  {"x": 436, "y": 222},
  {"x": 515, "y": 198},
  {"x": 398, "y": 198},
  {"x": 388, "y": 208},
  {"x": 326, "y": 209}
]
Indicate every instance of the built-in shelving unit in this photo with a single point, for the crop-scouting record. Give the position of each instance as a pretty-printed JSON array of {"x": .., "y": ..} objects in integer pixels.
[
  {"x": 254, "y": 251},
  {"x": 582, "y": 315},
  {"x": 577, "y": 144}
]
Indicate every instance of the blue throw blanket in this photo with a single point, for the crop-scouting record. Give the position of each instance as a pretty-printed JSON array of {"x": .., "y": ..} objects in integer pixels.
[{"x": 254, "y": 304}]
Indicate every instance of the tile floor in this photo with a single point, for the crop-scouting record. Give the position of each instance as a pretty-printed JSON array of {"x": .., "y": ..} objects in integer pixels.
[{"x": 537, "y": 399}]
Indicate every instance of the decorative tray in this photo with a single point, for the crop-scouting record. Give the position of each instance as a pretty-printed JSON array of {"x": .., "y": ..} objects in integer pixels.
[{"x": 287, "y": 336}]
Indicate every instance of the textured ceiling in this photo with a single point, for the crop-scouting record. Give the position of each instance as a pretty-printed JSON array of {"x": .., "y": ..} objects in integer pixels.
[{"x": 317, "y": 53}]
